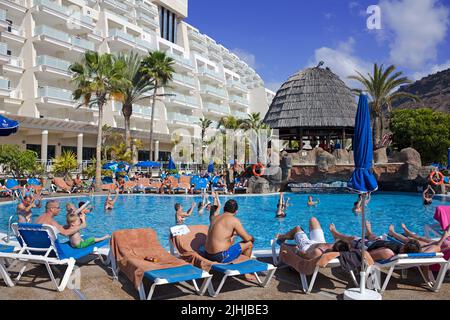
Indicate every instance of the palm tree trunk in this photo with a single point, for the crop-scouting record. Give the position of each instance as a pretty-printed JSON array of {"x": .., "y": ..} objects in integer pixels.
[
  {"x": 376, "y": 131},
  {"x": 151, "y": 123},
  {"x": 127, "y": 134},
  {"x": 98, "y": 162}
]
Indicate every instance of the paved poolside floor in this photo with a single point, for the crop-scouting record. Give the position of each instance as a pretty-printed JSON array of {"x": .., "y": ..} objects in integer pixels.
[{"x": 97, "y": 284}]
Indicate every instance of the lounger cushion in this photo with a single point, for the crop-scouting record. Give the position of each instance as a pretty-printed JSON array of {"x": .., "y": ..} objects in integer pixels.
[
  {"x": 6, "y": 249},
  {"x": 131, "y": 248},
  {"x": 424, "y": 255},
  {"x": 177, "y": 274},
  {"x": 65, "y": 250},
  {"x": 249, "y": 266}
]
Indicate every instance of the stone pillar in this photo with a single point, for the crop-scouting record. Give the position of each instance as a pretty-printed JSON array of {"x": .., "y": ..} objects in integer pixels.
[
  {"x": 156, "y": 150},
  {"x": 343, "y": 139},
  {"x": 80, "y": 149},
  {"x": 44, "y": 146}
]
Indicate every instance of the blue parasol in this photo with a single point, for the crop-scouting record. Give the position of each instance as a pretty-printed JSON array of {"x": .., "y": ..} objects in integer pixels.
[
  {"x": 148, "y": 164},
  {"x": 363, "y": 182},
  {"x": 171, "y": 165},
  {"x": 211, "y": 167},
  {"x": 8, "y": 126},
  {"x": 117, "y": 166}
]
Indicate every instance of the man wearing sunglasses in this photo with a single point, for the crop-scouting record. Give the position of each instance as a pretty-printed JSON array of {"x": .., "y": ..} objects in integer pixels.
[{"x": 52, "y": 209}]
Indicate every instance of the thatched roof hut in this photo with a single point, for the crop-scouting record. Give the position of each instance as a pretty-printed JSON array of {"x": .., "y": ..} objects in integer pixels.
[{"x": 313, "y": 103}]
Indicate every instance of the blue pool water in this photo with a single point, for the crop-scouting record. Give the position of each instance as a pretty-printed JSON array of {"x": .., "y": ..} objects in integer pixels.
[{"x": 257, "y": 214}]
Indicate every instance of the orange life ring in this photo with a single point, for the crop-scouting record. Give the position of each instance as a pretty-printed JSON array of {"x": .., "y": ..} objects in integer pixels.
[
  {"x": 261, "y": 167},
  {"x": 438, "y": 174}
]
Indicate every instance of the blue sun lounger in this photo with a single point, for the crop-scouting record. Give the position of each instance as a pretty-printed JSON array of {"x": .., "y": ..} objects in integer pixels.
[
  {"x": 39, "y": 244},
  {"x": 3, "y": 263}
]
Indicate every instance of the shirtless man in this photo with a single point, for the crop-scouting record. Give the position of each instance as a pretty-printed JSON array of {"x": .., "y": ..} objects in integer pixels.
[
  {"x": 52, "y": 209},
  {"x": 219, "y": 245},
  {"x": 24, "y": 209},
  {"x": 312, "y": 247},
  {"x": 180, "y": 216},
  {"x": 166, "y": 183},
  {"x": 428, "y": 195},
  {"x": 110, "y": 202}
]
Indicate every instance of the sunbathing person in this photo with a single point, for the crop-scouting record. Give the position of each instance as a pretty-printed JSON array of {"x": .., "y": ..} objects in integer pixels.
[
  {"x": 311, "y": 202},
  {"x": 180, "y": 215},
  {"x": 427, "y": 244},
  {"x": 219, "y": 244},
  {"x": 24, "y": 209},
  {"x": 214, "y": 211},
  {"x": 281, "y": 206},
  {"x": 428, "y": 195},
  {"x": 74, "y": 221},
  {"x": 110, "y": 202},
  {"x": 377, "y": 245},
  {"x": 166, "y": 184},
  {"x": 308, "y": 247}
]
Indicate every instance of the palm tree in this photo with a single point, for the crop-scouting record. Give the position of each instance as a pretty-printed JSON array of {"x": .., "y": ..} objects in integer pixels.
[
  {"x": 204, "y": 124},
  {"x": 381, "y": 86},
  {"x": 140, "y": 86},
  {"x": 98, "y": 77},
  {"x": 158, "y": 67}
]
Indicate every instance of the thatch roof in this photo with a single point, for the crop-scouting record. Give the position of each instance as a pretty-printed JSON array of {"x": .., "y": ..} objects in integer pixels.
[{"x": 314, "y": 98}]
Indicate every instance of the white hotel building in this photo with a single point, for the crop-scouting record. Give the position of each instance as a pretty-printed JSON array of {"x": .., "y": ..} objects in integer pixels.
[{"x": 39, "y": 39}]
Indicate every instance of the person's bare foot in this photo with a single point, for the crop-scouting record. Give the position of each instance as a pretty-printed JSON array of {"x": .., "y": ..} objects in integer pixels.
[
  {"x": 280, "y": 237},
  {"x": 250, "y": 277},
  {"x": 333, "y": 230},
  {"x": 391, "y": 230}
]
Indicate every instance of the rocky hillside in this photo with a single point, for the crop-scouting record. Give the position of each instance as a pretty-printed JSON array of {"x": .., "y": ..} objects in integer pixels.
[{"x": 434, "y": 91}]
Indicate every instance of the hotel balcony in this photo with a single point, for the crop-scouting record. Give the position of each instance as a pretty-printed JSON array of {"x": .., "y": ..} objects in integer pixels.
[
  {"x": 3, "y": 23},
  {"x": 181, "y": 120},
  {"x": 15, "y": 6},
  {"x": 120, "y": 40},
  {"x": 235, "y": 85},
  {"x": 214, "y": 92},
  {"x": 116, "y": 6},
  {"x": 55, "y": 97},
  {"x": 147, "y": 20},
  {"x": 238, "y": 101},
  {"x": 198, "y": 47},
  {"x": 197, "y": 37},
  {"x": 51, "y": 12},
  {"x": 4, "y": 57},
  {"x": 184, "y": 81},
  {"x": 142, "y": 113},
  {"x": 148, "y": 8},
  {"x": 181, "y": 101},
  {"x": 181, "y": 62},
  {"x": 49, "y": 68},
  {"x": 214, "y": 56},
  {"x": 5, "y": 87},
  {"x": 227, "y": 63},
  {"x": 208, "y": 74},
  {"x": 14, "y": 67},
  {"x": 239, "y": 114},
  {"x": 215, "y": 109},
  {"x": 14, "y": 35},
  {"x": 59, "y": 39}
]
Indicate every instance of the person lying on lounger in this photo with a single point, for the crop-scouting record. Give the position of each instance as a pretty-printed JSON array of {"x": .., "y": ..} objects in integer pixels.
[
  {"x": 426, "y": 244},
  {"x": 74, "y": 221},
  {"x": 110, "y": 202},
  {"x": 313, "y": 246},
  {"x": 377, "y": 245},
  {"x": 219, "y": 244}
]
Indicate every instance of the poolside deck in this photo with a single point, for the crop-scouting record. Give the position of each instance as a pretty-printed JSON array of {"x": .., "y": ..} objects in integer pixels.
[{"x": 97, "y": 284}]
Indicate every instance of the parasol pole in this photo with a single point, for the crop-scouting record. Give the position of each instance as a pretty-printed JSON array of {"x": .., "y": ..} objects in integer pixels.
[{"x": 362, "y": 281}]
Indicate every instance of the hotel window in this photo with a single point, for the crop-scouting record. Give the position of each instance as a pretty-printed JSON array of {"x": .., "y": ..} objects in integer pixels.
[{"x": 168, "y": 25}]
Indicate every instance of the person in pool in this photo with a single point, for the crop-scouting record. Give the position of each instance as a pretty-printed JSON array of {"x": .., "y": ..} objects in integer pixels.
[
  {"x": 219, "y": 246},
  {"x": 281, "y": 206},
  {"x": 315, "y": 245},
  {"x": 52, "y": 209},
  {"x": 215, "y": 208},
  {"x": 74, "y": 221},
  {"x": 311, "y": 202},
  {"x": 428, "y": 195},
  {"x": 180, "y": 215},
  {"x": 24, "y": 208},
  {"x": 357, "y": 207},
  {"x": 110, "y": 202},
  {"x": 204, "y": 204}
]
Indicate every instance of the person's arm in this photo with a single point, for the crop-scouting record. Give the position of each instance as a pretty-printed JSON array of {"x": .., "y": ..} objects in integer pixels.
[
  {"x": 240, "y": 231},
  {"x": 433, "y": 192},
  {"x": 189, "y": 212},
  {"x": 115, "y": 197},
  {"x": 66, "y": 232}
]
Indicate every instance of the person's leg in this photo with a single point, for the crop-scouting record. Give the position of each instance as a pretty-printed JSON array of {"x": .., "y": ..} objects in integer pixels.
[
  {"x": 340, "y": 236},
  {"x": 290, "y": 234},
  {"x": 247, "y": 248},
  {"x": 102, "y": 238},
  {"x": 314, "y": 224},
  {"x": 435, "y": 246},
  {"x": 370, "y": 235},
  {"x": 412, "y": 235},
  {"x": 396, "y": 235}
]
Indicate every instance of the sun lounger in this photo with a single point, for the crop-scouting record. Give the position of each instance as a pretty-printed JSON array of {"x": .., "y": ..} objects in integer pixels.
[
  {"x": 61, "y": 185},
  {"x": 288, "y": 255},
  {"x": 40, "y": 245},
  {"x": 201, "y": 185},
  {"x": 138, "y": 254},
  {"x": 404, "y": 261},
  {"x": 215, "y": 187},
  {"x": 188, "y": 247},
  {"x": 13, "y": 186},
  {"x": 4, "y": 263}
]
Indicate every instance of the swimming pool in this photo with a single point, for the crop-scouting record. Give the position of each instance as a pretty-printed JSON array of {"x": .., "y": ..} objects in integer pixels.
[{"x": 256, "y": 212}]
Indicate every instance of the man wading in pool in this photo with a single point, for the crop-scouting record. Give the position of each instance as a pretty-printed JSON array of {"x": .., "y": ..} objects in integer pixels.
[{"x": 219, "y": 245}]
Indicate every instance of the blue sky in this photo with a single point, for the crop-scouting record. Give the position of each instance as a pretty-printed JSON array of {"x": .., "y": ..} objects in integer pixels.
[{"x": 278, "y": 38}]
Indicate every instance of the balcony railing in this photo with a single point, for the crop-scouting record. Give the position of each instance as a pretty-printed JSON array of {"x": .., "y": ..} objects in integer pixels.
[
  {"x": 5, "y": 84},
  {"x": 147, "y": 7},
  {"x": 182, "y": 99},
  {"x": 56, "y": 93},
  {"x": 184, "y": 79},
  {"x": 238, "y": 99},
  {"x": 181, "y": 59},
  {"x": 237, "y": 84},
  {"x": 2, "y": 15},
  {"x": 216, "y": 108},
  {"x": 83, "y": 43},
  {"x": 121, "y": 34},
  {"x": 53, "y": 62},
  {"x": 210, "y": 89},
  {"x": 75, "y": 15},
  {"x": 44, "y": 30},
  {"x": 212, "y": 73},
  {"x": 3, "y": 48},
  {"x": 182, "y": 118},
  {"x": 240, "y": 115}
]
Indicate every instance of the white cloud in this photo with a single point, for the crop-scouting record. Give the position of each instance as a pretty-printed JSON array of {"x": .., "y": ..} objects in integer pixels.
[
  {"x": 342, "y": 61},
  {"x": 245, "y": 56},
  {"x": 431, "y": 70},
  {"x": 415, "y": 29}
]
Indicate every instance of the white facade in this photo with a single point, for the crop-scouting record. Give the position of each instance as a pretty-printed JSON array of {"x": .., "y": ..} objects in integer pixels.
[{"x": 39, "y": 39}]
